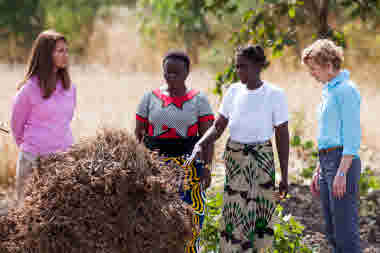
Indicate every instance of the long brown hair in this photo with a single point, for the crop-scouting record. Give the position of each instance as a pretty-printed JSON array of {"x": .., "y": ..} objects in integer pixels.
[{"x": 41, "y": 64}]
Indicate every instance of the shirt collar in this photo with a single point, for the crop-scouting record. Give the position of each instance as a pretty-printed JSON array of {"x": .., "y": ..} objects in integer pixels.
[{"x": 342, "y": 76}]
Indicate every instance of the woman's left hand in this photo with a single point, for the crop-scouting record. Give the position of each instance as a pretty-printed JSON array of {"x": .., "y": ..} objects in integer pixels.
[
  {"x": 339, "y": 185},
  {"x": 283, "y": 188}
]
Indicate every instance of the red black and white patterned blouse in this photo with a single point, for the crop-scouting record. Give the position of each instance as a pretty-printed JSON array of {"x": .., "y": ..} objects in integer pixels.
[{"x": 174, "y": 117}]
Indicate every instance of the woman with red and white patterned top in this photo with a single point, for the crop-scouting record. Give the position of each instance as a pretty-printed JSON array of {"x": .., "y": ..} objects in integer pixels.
[{"x": 171, "y": 119}]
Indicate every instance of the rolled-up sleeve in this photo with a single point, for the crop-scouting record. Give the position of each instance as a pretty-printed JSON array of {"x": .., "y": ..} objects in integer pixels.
[
  {"x": 349, "y": 104},
  {"x": 280, "y": 110},
  {"x": 225, "y": 107},
  {"x": 20, "y": 113}
]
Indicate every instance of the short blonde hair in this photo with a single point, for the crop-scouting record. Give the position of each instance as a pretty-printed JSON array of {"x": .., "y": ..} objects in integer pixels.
[{"x": 324, "y": 51}]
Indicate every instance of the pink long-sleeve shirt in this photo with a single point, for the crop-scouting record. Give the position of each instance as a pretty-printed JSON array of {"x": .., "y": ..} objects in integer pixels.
[{"x": 42, "y": 126}]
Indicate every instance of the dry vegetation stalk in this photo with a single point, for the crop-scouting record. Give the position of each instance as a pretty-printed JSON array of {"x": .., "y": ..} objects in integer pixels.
[{"x": 106, "y": 194}]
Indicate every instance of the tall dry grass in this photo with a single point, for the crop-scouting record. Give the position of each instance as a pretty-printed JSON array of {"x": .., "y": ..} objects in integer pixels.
[
  {"x": 121, "y": 69},
  {"x": 304, "y": 96},
  {"x": 110, "y": 98},
  {"x": 105, "y": 98}
]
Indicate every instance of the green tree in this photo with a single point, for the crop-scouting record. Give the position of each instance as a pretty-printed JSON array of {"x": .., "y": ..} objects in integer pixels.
[
  {"x": 22, "y": 20},
  {"x": 184, "y": 21},
  {"x": 277, "y": 24},
  {"x": 74, "y": 18}
]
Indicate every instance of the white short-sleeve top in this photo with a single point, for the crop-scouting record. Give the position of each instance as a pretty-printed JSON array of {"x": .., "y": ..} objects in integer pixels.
[{"x": 253, "y": 114}]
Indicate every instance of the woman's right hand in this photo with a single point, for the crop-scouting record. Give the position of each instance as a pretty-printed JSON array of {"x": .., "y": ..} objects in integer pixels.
[
  {"x": 196, "y": 150},
  {"x": 314, "y": 187}
]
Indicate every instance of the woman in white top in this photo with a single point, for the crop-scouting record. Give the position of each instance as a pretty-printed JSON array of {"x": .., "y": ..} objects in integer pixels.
[{"x": 254, "y": 110}]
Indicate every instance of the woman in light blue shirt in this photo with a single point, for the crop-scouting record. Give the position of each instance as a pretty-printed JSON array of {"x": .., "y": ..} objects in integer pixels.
[{"x": 336, "y": 179}]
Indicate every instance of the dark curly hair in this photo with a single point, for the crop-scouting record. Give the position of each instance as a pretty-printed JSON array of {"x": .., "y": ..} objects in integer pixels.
[
  {"x": 177, "y": 55},
  {"x": 255, "y": 53}
]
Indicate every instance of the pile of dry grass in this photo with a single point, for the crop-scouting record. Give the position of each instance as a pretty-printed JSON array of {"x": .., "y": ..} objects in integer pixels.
[{"x": 107, "y": 194}]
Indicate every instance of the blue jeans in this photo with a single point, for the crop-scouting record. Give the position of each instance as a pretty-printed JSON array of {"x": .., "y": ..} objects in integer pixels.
[{"x": 341, "y": 215}]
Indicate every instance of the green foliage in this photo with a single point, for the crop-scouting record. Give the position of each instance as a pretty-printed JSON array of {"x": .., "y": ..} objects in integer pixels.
[
  {"x": 22, "y": 20},
  {"x": 227, "y": 77},
  {"x": 209, "y": 234},
  {"x": 74, "y": 18},
  {"x": 288, "y": 233},
  {"x": 368, "y": 182},
  {"x": 278, "y": 24},
  {"x": 368, "y": 10},
  {"x": 308, "y": 153},
  {"x": 20, "y": 17},
  {"x": 185, "y": 21}
]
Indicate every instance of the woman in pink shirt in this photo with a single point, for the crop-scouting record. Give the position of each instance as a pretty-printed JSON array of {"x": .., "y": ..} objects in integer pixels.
[{"x": 44, "y": 105}]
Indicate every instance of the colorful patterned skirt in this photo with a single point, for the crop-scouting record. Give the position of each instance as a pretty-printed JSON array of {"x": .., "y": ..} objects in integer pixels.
[
  {"x": 191, "y": 192},
  {"x": 248, "y": 203},
  {"x": 190, "y": 188}
]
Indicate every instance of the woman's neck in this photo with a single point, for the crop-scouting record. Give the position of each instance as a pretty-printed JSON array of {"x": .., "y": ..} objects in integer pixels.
[
  {"x": 254, "y": 84},
  {"x": 177, "y": 91},
  {"x": 332, "y": 75}
]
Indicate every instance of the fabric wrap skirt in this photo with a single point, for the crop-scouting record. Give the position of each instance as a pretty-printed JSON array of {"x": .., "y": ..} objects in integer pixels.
[
  {"x": 249, "y": 198},
  {"x": 190, "y": 188}
]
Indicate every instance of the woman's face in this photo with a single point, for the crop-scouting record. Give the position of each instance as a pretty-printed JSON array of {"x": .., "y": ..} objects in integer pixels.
[
  {"x": 246, "y": 69},
  {"x": 175, "y": 72},
  {"x": 60, "y": 55},
  {"x": 321, "y": 73}
]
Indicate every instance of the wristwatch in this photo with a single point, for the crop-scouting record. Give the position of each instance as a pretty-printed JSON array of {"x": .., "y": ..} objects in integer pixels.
[{"x": 341, "y": 173}]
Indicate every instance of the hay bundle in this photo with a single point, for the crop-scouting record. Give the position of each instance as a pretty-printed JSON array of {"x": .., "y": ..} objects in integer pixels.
[{"x": 107, "y": 194}]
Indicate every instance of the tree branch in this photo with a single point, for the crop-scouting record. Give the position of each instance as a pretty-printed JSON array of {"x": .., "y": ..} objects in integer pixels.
[
  {"x": 313, "y": 9},
  {"x": 323, "y": 18},
  {"x": 315, "y": 5}
]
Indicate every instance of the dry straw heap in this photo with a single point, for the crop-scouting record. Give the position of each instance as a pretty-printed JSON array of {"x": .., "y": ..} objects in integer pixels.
[{"x": 107, "y": 194}]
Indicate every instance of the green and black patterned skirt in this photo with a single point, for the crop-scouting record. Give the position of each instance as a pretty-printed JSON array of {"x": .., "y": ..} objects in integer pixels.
[{"x": 249, "y": 198}]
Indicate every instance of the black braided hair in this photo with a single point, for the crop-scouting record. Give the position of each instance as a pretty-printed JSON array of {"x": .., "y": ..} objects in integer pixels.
[
  {"x": 178, "y": 55},
  {"x": 255, "y": 53}
]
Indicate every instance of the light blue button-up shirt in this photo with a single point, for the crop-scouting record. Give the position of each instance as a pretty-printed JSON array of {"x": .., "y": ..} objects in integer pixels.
[{"x": 339, "y": 115}]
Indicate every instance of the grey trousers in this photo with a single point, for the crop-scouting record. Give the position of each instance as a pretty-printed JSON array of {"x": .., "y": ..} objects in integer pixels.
[
  {"x": 25, "y": 164},
  {"x": 341, "y": 215}
]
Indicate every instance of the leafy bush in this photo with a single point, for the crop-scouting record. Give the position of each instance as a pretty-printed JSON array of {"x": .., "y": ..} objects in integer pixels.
[
  {"x": 23, "y": 20},
  {"x": 288, "y": 232},
  {"x": 74, "y": 18},
  {"x": 288, "y": 235},
  {"x": 308, "y": 153},
  {"x": 368, "y": 182},
  {"x": 210, "y": 234}
]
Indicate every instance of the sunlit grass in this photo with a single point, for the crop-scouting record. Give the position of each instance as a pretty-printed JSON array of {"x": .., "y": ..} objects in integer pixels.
[{"x": 109, "y": 92}]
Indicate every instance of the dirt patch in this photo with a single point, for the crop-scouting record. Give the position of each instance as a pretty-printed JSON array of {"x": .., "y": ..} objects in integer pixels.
[{"x": 307, "y": 210}]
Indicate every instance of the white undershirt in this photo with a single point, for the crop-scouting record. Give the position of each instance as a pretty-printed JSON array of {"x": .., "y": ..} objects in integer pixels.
[{"x": 253, "y": 114}]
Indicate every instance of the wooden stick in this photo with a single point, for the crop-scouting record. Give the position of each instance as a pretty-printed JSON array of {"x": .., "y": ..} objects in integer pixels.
[{"x": 4, "y": 130}]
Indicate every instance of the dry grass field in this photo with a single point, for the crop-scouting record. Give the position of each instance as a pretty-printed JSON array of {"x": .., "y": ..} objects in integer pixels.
[
  {"x": 110, "y": 98},
  {"x": 121, "y": 70}
]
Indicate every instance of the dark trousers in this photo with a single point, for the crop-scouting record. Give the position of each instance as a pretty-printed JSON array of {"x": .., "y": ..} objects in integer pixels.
[{"x": 341, "y": 215}]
